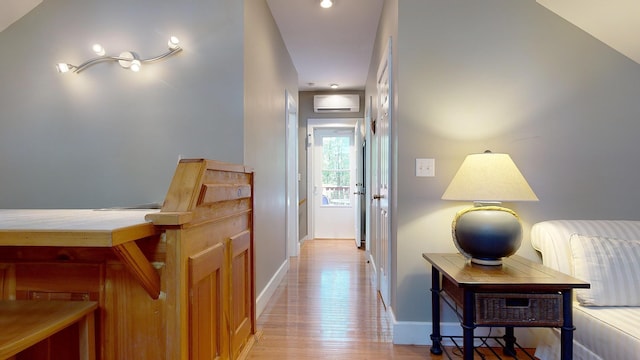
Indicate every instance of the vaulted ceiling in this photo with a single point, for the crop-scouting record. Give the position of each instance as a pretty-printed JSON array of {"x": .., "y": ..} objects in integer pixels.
[
  {"x": 12, "y": 10},
  {"x": 614, "y": 22},
  {"x": 334, "y": 45}
]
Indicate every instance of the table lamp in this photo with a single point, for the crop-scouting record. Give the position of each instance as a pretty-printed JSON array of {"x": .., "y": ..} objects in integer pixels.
[{"x": 488, "y": 232}]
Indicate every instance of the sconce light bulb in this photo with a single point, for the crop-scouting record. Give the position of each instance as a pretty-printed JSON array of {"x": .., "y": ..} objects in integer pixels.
[
  {"x": 135, "y": 65},
  {"x": 62, "y": 67},
  {"x": 326, "y": 4},
  {"x": 98, "y": 49},
  {"x": 173, "y": 42}
]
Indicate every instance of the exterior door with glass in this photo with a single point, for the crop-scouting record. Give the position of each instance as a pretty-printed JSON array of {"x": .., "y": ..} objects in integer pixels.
[{"x": 333, "y": 183}]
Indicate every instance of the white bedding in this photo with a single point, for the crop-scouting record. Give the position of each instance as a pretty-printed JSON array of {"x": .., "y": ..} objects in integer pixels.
[
  {"x": 603, "y": 333},
  {"x": 616, "y": 340}
]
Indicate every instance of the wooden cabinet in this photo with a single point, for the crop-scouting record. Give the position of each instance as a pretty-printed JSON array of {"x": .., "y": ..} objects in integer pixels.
[
  {"x": 208, "y": 339},
  {"x": 171, "y": 284},
  {"x": 241, "y": 300},
  {"x": 207, "y": 221}
]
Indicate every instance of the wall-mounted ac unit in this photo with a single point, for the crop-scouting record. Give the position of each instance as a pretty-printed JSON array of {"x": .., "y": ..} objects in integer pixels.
[{"x": 336, "y": 103}]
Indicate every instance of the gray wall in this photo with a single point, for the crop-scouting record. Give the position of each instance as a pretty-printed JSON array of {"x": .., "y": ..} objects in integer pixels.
[
  {"x": 512, "y": 77},
  {"x": 269, "y": 73},
  {"x": 110, "y": 137}
]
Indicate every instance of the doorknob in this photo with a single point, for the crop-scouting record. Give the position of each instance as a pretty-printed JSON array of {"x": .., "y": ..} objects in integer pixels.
[{"x": 377, "y": 197}]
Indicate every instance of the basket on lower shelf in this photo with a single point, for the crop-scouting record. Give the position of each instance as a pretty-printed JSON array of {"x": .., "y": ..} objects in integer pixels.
[{"x": 514, "y": 309}]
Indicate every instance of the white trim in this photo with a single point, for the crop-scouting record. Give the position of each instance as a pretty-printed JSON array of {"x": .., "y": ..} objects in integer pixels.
[
  {"x": 374, "y": 269},
  {"x": 292, "y": 175},
  {"x": 263, "y": 298},
  {"x": 418, "y": 333}
]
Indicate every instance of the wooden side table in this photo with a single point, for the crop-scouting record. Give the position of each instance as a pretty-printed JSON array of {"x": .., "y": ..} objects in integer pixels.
[{"x": 518, "y": 293}]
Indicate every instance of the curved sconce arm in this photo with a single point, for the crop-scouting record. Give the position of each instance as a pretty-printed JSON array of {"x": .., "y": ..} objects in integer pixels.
[{"x": 127, "y": 59}]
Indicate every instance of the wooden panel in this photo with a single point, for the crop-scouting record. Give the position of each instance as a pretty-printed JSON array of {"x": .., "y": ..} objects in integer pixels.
[
  {"x": 213, "y": 176},
  {"x": 181, "y": 196},
  {"x": 25, "y": 323},
  {"x": 132, "y": 323},
  {"x": 209, "y": 337},
  {"x": 57, "y": 281},
  {"x": 133, "y": 258},
  {"x": 190, "y": 174},
  {"x": 170, "y": 218},
  {"x": 72, "y": 227},
  {"x": 65, "y": 279},
  {"x": 204, "y": 263},
  {"x": 7, "y": 282},
  {"x": 55, "y": 254},
  {"x": 212, "y": 193},
  {"x": 456, "y": 293},
  {"x": 220, "y": 210},
  {"x": 242, "y": 316},
  {"x": 214, "y": 232}
]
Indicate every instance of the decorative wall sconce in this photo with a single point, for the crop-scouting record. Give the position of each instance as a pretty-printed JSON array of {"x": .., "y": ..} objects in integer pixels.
[{"x": 126, "y": 59}]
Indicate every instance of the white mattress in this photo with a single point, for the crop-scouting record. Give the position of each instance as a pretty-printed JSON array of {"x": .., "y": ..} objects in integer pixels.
[{"x": 616, "y": 340}]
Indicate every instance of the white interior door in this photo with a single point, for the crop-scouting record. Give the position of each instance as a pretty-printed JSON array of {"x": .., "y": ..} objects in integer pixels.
[
  {"x": 293, "y": 243},
  {"x": 333, "y": 183},
  {"x": 382, "y": 186},
  {"x": 359, "y": 190}
]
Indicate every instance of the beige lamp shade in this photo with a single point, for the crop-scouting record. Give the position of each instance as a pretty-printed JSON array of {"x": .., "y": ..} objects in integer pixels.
[{"x": 489, "y": 177}]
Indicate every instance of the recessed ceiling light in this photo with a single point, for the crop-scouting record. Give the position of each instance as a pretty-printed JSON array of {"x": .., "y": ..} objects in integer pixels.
[
  {"x": 334, "y": 86},
  {"x": 326, "y": 3}
]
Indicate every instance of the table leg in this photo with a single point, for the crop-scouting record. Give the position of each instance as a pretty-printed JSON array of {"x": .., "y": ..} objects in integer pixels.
[
  {"x": 566, "y": 332},
  {"x": 436, "y": 338},
  {"x": 509, "y": 340},
  {"x": 467, "y": 324}
]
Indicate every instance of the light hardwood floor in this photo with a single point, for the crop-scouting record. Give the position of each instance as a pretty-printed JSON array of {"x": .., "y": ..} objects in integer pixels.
[{"x": 327, "y": 308}]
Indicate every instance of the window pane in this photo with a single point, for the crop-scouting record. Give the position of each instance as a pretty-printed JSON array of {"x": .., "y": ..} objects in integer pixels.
[{"x": 336, "y": 173}]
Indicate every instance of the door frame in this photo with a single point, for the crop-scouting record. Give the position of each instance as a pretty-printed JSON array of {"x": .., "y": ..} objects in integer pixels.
[
  {"x": 292, "y": 176},
  {"x": 384, "y": 248},
  {"x": 312, "y": 125}
]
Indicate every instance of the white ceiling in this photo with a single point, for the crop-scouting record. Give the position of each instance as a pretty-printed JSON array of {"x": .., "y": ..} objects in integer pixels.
[
  {"x": 334, "y": 45},
  {"x": 614, "y": 22},
  {"x": 328, "y": 45}
]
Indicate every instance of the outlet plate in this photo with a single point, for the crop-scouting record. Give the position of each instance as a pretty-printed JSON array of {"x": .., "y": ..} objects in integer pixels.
[{"x": 425, "y": 167}]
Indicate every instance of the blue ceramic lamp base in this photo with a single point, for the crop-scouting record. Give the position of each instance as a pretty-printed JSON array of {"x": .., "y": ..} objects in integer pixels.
[{"x": 487, "y": 233}]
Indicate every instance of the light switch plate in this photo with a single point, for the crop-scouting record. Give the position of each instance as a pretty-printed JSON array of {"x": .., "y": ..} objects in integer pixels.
[{"x": 425, "y": 167}]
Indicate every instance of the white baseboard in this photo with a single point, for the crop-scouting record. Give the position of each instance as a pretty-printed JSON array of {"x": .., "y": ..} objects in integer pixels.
[
  {"x": 265, "y": 295},
  {"x": 374, "y": 269},
  {"x": 418, "y": 333}
]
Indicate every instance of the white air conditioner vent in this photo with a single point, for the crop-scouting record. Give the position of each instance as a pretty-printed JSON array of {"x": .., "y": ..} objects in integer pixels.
[{"x": 336, "y": 103}]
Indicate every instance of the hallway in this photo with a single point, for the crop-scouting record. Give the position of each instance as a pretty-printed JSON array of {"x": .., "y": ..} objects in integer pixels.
[{"x": 327, "y": 307}]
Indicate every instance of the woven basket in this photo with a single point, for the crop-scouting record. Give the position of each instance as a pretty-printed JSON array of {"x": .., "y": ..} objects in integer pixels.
[{"x": 519, "y": 309}]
